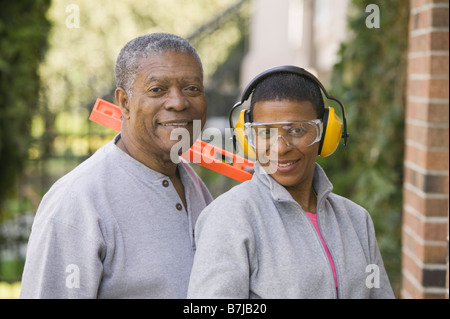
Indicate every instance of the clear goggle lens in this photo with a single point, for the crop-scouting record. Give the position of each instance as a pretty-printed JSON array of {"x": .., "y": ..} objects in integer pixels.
[{"x": 298, "y": 134}]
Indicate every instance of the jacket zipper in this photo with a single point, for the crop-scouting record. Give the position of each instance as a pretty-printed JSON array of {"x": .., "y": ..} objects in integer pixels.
[
  {"x": 337, "y": 289},
  {"x": 331, "y": 254}
]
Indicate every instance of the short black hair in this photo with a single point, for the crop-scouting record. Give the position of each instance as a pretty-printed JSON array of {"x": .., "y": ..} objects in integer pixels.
[
  {"x": 288, "y": 86},
  {"x": 153, "y": 43}
]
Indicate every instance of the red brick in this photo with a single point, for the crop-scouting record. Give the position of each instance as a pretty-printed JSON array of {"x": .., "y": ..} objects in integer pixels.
[
  {"x": 437, "y": 160},
  {"x": 422, "y": 19},
  {"x": 435, "y": 254},
  {"x": 439, "y": 88},
  {"x": 409, "y": 290},
  {"x": 430, "y": 295},
  {"x": 434, "y": 41},
  {"x": 439, "y": 17},
  {"x": 412, "y": 267},
  {"x": 428, "y": 112},
  {"x": 419, "y": 43},
  {"x": 429, "y": 207},
  {"x": 439, "y": 65},
  {"x": 447, "y": 280},
  {"x": 415, "y": 4},
  {"x": 429, "y": 136},
  {"x": 438, "y": 113},
  {"x": 427, "y": 182},
  {"x": 427, "y": 159},
  {"x": 419, "y": 65},
  {"x": 428, "y": 88},
  {"x": 428, "y": 64},
  {"x": 429, "y": 17},
  {"x": 427, "y": 231},
  {"x": 439, "y": 41},
  {"x": 426, "y": 253},
  {"x": 435, "y": 231}
]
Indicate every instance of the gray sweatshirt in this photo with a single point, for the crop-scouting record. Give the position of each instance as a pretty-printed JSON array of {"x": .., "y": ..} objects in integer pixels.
[
  {"x": 113, "y": 228},
  {"x": 255, "y": 241}
]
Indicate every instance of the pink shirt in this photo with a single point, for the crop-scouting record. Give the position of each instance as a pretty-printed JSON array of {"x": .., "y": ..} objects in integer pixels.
[{"x": 313, "y": 218}]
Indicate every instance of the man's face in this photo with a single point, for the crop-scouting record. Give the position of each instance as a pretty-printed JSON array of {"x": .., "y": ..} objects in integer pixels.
[{"x": 167, "y": 94}]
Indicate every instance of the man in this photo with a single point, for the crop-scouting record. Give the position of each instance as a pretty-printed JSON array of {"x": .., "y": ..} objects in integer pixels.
[{"x": 120, "y": 225}]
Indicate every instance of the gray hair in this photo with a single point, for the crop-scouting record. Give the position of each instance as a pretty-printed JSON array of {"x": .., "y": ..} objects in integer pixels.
[{"x": 141, "y": 47}]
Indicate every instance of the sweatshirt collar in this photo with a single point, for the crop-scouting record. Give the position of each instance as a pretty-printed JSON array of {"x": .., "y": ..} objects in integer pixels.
[
  {"x": 321, "y": 184},
  {"x": 142, "y": 171}
]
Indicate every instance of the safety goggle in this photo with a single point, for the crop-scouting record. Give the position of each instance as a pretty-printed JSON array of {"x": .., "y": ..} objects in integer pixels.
[{"x": 263, "y": 135}]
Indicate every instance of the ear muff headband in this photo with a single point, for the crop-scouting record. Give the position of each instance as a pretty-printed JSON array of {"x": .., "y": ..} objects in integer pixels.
[{"x": 334, "y": 128}]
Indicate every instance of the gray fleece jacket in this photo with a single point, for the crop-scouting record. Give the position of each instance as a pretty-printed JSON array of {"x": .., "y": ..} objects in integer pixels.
[
  {"x": 114, "y": 228},
  {"x": 255, "y": 241}
]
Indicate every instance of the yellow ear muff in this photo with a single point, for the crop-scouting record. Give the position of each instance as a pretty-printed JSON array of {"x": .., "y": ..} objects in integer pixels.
[
  {"x": 240, "y": 136},
  {"x": 332, "y": 126}
]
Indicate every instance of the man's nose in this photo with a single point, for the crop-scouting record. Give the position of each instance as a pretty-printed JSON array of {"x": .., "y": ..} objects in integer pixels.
[{"x": 176, "y": 100}]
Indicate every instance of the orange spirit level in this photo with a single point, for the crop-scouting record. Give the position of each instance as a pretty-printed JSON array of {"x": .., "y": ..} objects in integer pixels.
[{"x": 205, "y": 154}]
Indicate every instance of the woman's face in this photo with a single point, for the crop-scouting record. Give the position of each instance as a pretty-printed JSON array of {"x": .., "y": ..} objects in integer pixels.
[{"x": 290, "y": 165}]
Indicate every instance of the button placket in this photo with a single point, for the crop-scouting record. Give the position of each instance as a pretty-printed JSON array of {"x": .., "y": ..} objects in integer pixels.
[{"x": 166, "y": 183}]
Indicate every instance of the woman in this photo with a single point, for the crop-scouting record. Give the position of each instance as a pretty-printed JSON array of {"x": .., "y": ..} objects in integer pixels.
[{"x": 284, "y": 234}]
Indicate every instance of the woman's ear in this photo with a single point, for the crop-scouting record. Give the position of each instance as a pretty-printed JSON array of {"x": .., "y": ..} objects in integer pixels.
[{"x": 123, "y": 101}]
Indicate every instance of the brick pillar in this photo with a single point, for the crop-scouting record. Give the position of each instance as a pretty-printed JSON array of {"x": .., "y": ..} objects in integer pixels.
[{"x": 426, "y": 163}]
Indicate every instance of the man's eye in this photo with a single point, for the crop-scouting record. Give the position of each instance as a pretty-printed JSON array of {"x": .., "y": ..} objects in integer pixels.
[
  {"x": 192, "y": 91},
  {"x": 155, "y": 90},
  {"x": 193, "y": 88}
]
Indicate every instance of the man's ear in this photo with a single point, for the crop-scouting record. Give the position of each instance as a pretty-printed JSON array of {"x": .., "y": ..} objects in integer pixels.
[{"x": 123, "y": 101}]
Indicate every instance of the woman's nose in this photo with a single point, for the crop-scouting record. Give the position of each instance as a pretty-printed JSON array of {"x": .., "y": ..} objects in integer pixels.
[{"x": 284, "y": 139}]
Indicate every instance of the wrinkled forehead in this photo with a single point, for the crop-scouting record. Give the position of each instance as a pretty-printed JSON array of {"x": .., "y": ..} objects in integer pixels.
[
  {"x": 178, "y": 62},
  {"x": 167, "y": 67}
]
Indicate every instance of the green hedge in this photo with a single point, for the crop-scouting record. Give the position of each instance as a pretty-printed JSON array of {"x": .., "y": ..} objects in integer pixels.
[{"x": 23, "y": 41}]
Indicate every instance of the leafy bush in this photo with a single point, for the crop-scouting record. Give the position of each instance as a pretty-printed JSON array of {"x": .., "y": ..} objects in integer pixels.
[{"x": 23, "y": 41}]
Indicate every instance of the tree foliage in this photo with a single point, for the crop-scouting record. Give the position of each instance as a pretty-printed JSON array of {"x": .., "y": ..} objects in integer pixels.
[
  {"x": 84, "y": 42},
  {"x": 79, "y": 66},
  {"x": 23, "y": 41},
  {"x": 370, "y": 79}
]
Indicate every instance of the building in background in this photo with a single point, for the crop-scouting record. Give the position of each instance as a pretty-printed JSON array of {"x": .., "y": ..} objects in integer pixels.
[{"x": 305, "y": 33}]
